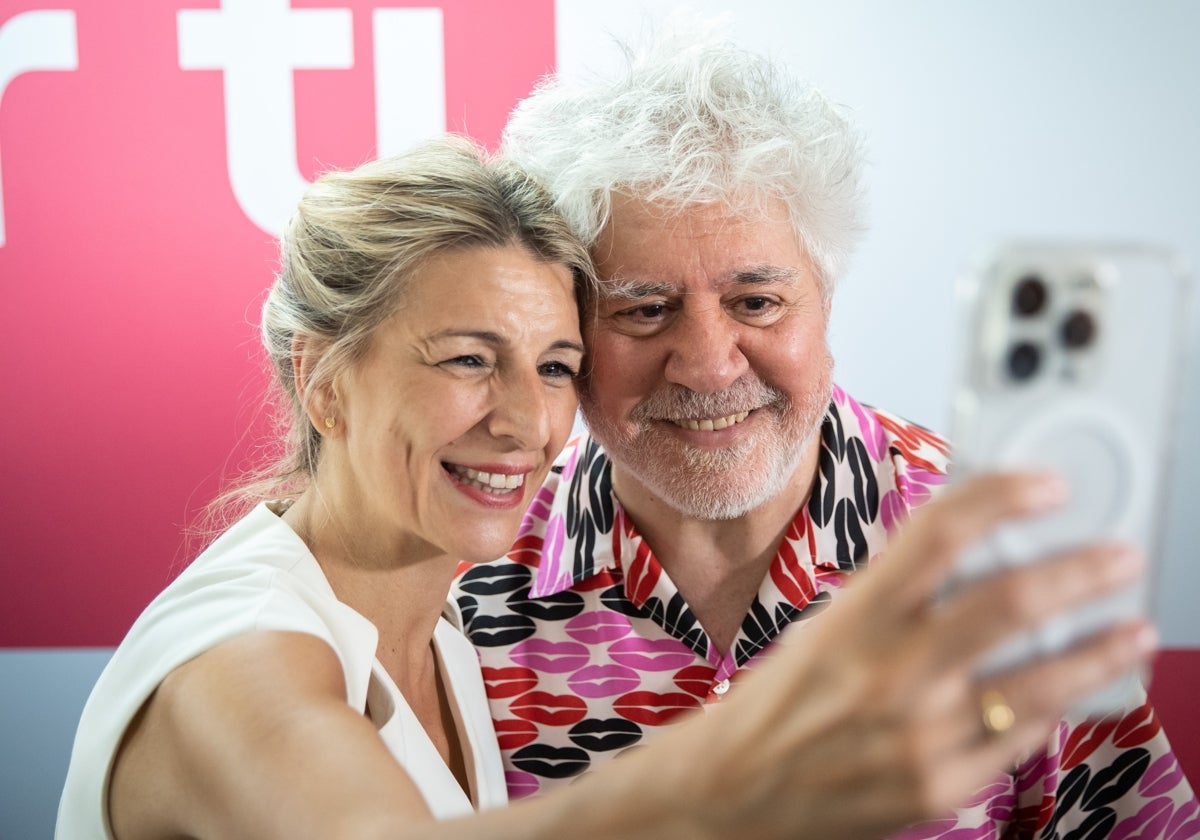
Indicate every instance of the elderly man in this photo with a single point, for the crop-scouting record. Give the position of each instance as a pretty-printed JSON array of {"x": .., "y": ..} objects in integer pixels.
[{"x": 728, "y": 488}]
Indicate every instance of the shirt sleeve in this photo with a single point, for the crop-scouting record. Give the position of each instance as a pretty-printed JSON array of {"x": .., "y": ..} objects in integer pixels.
[{"x": 1114, "y": 776}]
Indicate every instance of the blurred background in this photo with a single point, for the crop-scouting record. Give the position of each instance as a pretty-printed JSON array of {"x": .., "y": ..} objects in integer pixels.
[{"x": 150, "y": 152}]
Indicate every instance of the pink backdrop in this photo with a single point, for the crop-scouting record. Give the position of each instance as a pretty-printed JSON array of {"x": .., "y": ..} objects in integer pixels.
[{"x": 132, "y": 277}]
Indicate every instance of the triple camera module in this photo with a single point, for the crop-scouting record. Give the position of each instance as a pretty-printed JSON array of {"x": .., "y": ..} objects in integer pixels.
[{"x": 1048, "y": 318}]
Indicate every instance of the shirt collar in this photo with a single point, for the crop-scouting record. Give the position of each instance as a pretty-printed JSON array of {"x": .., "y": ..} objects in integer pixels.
[{"x": 576, "y": 512}]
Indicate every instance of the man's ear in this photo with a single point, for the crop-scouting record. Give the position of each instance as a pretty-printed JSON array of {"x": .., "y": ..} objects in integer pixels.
[{"x": 319, "y": 402}]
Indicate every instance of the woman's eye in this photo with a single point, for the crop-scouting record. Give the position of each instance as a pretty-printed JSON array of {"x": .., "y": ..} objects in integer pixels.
[
  {"x": 557, "y": 370},
  {"x": 466, "y": 361}
]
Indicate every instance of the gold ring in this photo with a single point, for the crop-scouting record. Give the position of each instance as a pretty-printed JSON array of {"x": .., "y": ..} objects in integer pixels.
[{"x": 998, "y": 716}]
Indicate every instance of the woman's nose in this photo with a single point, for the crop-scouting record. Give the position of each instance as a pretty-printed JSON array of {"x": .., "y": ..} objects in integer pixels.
[{"x": 521, "y": 410}]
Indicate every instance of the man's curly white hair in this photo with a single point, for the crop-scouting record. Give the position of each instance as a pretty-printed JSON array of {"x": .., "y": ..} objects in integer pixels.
[{"x": 694, "y": 118}]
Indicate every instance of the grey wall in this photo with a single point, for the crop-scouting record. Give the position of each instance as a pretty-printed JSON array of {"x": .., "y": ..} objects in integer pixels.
[{"x": 42, "y": 693}]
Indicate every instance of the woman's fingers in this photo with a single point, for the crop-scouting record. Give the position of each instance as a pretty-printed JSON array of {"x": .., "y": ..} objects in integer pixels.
[
  {"x": 924, "y": 552},
  {"x": 905, "y": 596},
  {"x": 978, "y": 616},
  {"x": 973, "y": 729},
  {"x": 1039, "y": 692}
]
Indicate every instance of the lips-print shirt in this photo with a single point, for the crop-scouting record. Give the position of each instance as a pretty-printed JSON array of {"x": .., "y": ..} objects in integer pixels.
[{"x": 588, "y": 648}]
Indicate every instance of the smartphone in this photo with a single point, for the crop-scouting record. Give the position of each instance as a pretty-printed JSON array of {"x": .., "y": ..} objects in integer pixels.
[{"x": 1070, "y": 355}]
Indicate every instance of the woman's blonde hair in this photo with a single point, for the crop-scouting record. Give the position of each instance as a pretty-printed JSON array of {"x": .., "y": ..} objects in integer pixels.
[{"x": 355, "y": 240}]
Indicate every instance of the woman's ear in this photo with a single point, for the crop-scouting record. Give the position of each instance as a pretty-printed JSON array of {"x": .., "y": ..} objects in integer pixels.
[{"x": 319, "y": 402}]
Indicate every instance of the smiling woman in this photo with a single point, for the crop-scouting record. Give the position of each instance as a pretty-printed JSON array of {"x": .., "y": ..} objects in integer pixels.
[
  {"x": 299, "y": 677},
  {"x": 455, "y": 411}
]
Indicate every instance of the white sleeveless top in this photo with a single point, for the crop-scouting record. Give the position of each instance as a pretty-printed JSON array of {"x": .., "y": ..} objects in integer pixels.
[{"x": 259, "y": 575}]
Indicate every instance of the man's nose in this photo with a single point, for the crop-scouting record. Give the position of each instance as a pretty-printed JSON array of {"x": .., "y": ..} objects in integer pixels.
[{"x": 705, "y": 353}]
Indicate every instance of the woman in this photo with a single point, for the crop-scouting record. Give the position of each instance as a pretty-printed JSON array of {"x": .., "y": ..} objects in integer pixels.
[
  {"x": 424, "y": 330},
  {"x": 300, "y": 678}
]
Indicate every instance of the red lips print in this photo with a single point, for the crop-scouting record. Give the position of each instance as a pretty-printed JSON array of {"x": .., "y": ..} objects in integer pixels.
[
  {"x": 514, "y": 734},
  {"x": 650, "y": 708},
  {"x": 696, "y": 680},
  {"x": 549, "y": 709},
  {"x": 508, "y": 682}
]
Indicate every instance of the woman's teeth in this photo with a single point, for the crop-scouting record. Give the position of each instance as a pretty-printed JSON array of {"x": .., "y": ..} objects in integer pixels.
[
  {"x": 488, "y": 482},
  {"x": 714, "y": 424}
]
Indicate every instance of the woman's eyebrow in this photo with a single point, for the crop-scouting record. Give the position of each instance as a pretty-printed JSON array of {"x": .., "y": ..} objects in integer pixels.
[
  {"x": 496, "y": 339},
  {"x": 563, "y": 344},
  {"x": 487, "y": 336}
]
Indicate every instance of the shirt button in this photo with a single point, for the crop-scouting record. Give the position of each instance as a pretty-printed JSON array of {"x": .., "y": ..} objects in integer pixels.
[{"x": 721, "y": 687}]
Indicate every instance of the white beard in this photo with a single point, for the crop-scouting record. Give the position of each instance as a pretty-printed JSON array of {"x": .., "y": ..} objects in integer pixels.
[{"x": 715, "y": 484}]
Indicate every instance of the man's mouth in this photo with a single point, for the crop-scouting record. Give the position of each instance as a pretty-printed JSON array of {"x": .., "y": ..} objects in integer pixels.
[
  {"x": 496, "y": 483},
  {"x": 712, "y": 424}
]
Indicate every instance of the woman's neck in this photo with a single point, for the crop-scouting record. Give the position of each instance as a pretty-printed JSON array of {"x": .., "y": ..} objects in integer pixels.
[{"x": 395, "y": 581}]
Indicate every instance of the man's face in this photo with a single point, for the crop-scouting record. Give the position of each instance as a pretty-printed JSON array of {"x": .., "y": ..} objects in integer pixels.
[{"x": 710, "y": 371}]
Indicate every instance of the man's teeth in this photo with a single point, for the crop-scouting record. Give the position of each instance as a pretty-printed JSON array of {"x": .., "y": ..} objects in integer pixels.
[
  {"x": 713, "y": 424},
  {"x": 491, "y": 482}
]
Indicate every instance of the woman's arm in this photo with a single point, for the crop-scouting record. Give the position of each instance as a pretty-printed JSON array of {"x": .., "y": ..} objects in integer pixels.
[
  {"x": 867, "y": 721},
  {"x": 254, "y": 739}
]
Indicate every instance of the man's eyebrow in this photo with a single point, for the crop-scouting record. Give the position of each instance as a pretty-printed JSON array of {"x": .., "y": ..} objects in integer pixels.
[
  {"x": 766, "y": 274},
  {"x": 632, "y": 288},
  {"x": 621, "y": 288}
]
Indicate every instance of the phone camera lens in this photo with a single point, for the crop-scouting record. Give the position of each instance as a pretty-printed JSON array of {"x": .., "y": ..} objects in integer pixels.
[
  {"x": 1078, "y": 330},
  {"x": 1029, "y": 296},
  {"x": 1024, "y": 359}
]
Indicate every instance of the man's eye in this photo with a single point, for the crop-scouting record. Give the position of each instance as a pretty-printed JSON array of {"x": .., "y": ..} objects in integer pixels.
[
  {"x": 757, "y": 307},
  {"x": 645, "y": 312},
  {"x": 643, "y": 319}
]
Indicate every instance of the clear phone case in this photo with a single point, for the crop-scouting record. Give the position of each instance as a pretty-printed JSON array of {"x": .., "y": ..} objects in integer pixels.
[{"x": 1070, "y": 357}]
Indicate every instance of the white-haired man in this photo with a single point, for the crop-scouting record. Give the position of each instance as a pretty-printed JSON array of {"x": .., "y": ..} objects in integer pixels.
[{"x": 728, "y": 487}]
